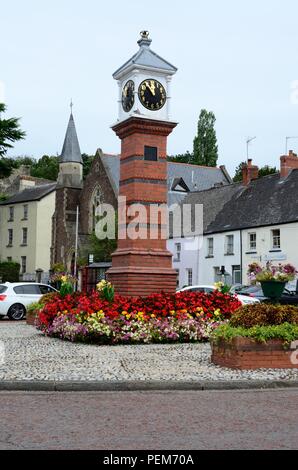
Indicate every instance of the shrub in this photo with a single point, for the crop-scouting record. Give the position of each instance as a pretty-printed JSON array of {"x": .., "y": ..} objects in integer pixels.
[
  {"x": 47, "y": 298},
  {"x": 286, "y": 331},
  {"x": 9, "y": 271},
  {"x": 264, "y": 314}
]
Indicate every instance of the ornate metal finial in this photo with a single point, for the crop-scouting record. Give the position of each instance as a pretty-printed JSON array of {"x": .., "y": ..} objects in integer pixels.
[
  {"x": 145, "y": 40},
  {"x": 144, "y": 34},
  {"x": 71, "y": 105}
]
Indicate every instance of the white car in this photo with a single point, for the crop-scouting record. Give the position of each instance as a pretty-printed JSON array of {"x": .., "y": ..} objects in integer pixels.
[
  {"x": 15, "y": 297},
  {"x": 245, "y": 300}
]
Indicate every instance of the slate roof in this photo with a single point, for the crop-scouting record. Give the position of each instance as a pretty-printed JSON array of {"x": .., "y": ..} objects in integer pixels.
[
  {"x": 35, "y": 193},
  {"x": 195, "y": 177},
  {"x": 71, "y": 148},
  {"x": 270, "y": 200},
  {"x": 145, "y": 58}
]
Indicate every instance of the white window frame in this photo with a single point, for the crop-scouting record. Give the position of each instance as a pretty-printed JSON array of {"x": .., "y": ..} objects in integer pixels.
[
  {"x": 10, "y": 237},
  {"x": 228, "y": 245},
  {"x": 189, "y": 277},
  {"x": 210, "y": 247},
  {"x": 11, "y": 214},
  {"x": 276, "y": 239},
  {"x": 252, "y": 243},
  {"x": 23, "y": 264},
  {"x": 25, "y": 211},
  {"x": 24, "y": 237},
  {"x": 178, "y": 252}
]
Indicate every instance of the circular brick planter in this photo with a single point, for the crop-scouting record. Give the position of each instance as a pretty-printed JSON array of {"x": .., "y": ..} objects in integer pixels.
[
  {"x": 248, "y": 354},
  {"x": 31, "y": 318}
]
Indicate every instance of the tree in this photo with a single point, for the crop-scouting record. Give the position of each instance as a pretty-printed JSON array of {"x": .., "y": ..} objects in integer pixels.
[
  {"x": 205, "y": 149},
  {"x": 264, "y": 171},
  {"x": 9, "y": 131},
  {"x": 181, "y": 158},
  {"x": 46, "y": 167},
  {"x": 87, "y": 162}
]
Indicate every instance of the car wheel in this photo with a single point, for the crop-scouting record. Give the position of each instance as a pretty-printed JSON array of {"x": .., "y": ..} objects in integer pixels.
[{"x": 16, "y": 312}]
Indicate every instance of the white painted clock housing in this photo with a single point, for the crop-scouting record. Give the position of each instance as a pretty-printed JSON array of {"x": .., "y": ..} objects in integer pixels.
[{"x": 145, "y": 64}]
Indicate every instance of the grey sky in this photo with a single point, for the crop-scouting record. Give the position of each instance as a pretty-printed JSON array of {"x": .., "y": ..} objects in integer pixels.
[{"x": 238, "y": 59}]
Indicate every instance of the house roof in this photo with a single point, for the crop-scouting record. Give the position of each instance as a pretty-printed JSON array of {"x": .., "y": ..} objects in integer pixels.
[
  {"x": 147, "y": 59},
  {"x": 71, "y": 152},
  {"x": 270, "y": 200},
  {"x": 194, "y": 177},
  {"x": 35, "y": 193}
]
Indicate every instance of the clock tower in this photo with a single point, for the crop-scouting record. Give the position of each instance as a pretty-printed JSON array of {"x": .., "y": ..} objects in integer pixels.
[{"x": 142, "y": 264}]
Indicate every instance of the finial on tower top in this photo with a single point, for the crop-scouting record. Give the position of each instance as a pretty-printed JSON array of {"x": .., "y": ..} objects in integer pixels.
[
  {"x": 71, "y": 105},
  {"x": 144, "y": 41}
]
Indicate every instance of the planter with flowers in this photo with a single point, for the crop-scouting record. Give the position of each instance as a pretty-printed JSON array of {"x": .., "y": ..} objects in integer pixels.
[{"x": 273, "y": 279}]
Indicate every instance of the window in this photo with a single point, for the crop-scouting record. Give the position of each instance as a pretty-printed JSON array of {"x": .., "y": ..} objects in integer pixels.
[
  {"x": 236, "y": 273},
  {"x": 10, "y": 214},
  {"x": 24, "y": 236},
  {"x": 189, "y": 277},
  {"x": 210, "y": 247},
  {"x": 229, "y": 245},
  {"x": 9, "y": 259},
  {"x": 252, "y": 241},
  {"x": 25, "y": 215},
  {"x": 150, "y": 153},
  {"x": 178, "y": 252},
  {"x": 46, "y": 289},
  {"x": 10, "y": 236},
  {"x": 23, "y": 264},
  {"x": 276, "y": 239},
  {"x": 27, "y": 289}
]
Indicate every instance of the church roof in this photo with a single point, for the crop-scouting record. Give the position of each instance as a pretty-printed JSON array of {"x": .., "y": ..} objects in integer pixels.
[
  {"x": 71, "y": 152},
  {"x": 145, "y": 58}
]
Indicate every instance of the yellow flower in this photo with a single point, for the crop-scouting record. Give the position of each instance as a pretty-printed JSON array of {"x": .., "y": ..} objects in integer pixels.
[
  {"x": 172, "y": 312},
  {"x": 64, "y": 279},
  {"x": 153, "y": 316}
]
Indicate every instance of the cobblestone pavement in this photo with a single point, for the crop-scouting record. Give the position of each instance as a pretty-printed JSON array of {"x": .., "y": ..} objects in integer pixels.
[
  {"x": 150, "y": 420},
  {"x": 31, "y": 356}
]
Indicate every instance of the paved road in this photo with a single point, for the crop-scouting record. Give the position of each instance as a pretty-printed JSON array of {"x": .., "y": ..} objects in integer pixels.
[{"x": 150, "y": 420}]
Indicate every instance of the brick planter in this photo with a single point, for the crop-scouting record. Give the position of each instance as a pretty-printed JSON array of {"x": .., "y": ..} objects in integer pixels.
[{"x": 247, "y": 354}]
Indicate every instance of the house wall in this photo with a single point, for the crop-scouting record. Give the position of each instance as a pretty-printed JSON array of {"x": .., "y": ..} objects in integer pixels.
[
  {"x": 264, "y": 252},
  {"x": 189, "y": 259},
  {"x": 207, "y": 271},
  {"x": 45, "y": 211}
]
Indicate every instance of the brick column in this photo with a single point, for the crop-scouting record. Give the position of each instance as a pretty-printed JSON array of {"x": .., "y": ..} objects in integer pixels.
[{"x": 143, "y": 266}]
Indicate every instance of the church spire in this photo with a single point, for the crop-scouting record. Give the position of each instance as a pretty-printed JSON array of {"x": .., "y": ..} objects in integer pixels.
[{"x": 71, "y": 152}]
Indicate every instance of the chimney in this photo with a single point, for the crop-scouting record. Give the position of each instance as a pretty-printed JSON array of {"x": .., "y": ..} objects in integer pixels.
[
  {"x": 288, "y": 163},
  {"x": 249, "y": 172}
]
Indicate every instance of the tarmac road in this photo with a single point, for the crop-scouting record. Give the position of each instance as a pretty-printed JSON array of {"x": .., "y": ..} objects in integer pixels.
[{"x": 173, "y": 420}]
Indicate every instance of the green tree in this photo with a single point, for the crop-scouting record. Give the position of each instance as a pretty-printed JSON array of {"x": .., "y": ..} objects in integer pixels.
[
  {"x": 264, "y": 171},
  {"x": 46, "y": 167},
  {"x": 10, "y": 132},
  {"x": 205, "y": 149},
  {"x": 181, "y": 158},
  {"x": 87, "y": 162}
]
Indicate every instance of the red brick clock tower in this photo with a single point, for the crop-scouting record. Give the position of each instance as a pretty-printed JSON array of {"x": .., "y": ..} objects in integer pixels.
[{"x": 142, "y": 264}]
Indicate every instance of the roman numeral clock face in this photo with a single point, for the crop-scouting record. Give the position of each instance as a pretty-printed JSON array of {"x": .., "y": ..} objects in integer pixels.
[
  {"x": 152, "y": 94},
  {"x": 128, "y": 96}
]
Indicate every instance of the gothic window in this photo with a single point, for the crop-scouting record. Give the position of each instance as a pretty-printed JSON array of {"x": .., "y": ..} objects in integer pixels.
[{"x": 96, "y": 200}]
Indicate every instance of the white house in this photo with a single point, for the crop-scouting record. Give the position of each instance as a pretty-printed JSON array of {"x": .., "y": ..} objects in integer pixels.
[{"x": 256, "y": 220}]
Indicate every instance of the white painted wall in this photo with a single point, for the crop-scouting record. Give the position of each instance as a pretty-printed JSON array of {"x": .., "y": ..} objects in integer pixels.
[
  {"x": 264, "y": 252},
  {"x": 189, "y": 258}
]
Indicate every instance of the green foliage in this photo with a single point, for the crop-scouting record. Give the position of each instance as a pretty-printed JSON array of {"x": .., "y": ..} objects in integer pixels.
[
  {"x": 107, "y": 290},
  {"x": 58, "y": 268},
  {"x": 46, "y": 167},
  {"x": 181, "y": 158},
  {"x": 205, "y": 149},
  {"x": 47, "y": 298},
  {"x": 264, "y": 314},
  {"x": 10, "y": 132},
  {"x": 34, "y": 307},
  {"x": 9, "y": 271},
  {"x": 286, "y": 331},
  {"x": 66, "y": 289},
  {"x": 87, "y": 162},
  {"x": 3, "y": 197},
  {"x": 264, "y": 171}
]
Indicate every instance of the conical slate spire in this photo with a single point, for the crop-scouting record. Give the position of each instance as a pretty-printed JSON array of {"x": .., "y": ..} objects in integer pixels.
[{"x": 71, "y": 148}]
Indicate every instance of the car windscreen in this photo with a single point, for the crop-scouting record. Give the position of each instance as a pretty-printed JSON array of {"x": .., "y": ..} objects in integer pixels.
[{"x": 3, "y": 289}]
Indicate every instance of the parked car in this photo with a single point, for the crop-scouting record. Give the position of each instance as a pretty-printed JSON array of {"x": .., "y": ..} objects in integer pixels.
[
  {"x": 244, "y": 299},
  {"x": 15, "y": 297},
  {"x": 289, "y": 297}
]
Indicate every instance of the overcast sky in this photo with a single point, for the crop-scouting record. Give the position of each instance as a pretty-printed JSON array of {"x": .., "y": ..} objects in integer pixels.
[{"x": 238, "y": 59}]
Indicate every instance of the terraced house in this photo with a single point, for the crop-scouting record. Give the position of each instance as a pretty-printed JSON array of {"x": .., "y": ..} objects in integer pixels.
[{"x": 256, "y": 220}]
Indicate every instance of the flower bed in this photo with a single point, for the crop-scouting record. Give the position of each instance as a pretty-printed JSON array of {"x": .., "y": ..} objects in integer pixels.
[{"x": 182, "y": 317}]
